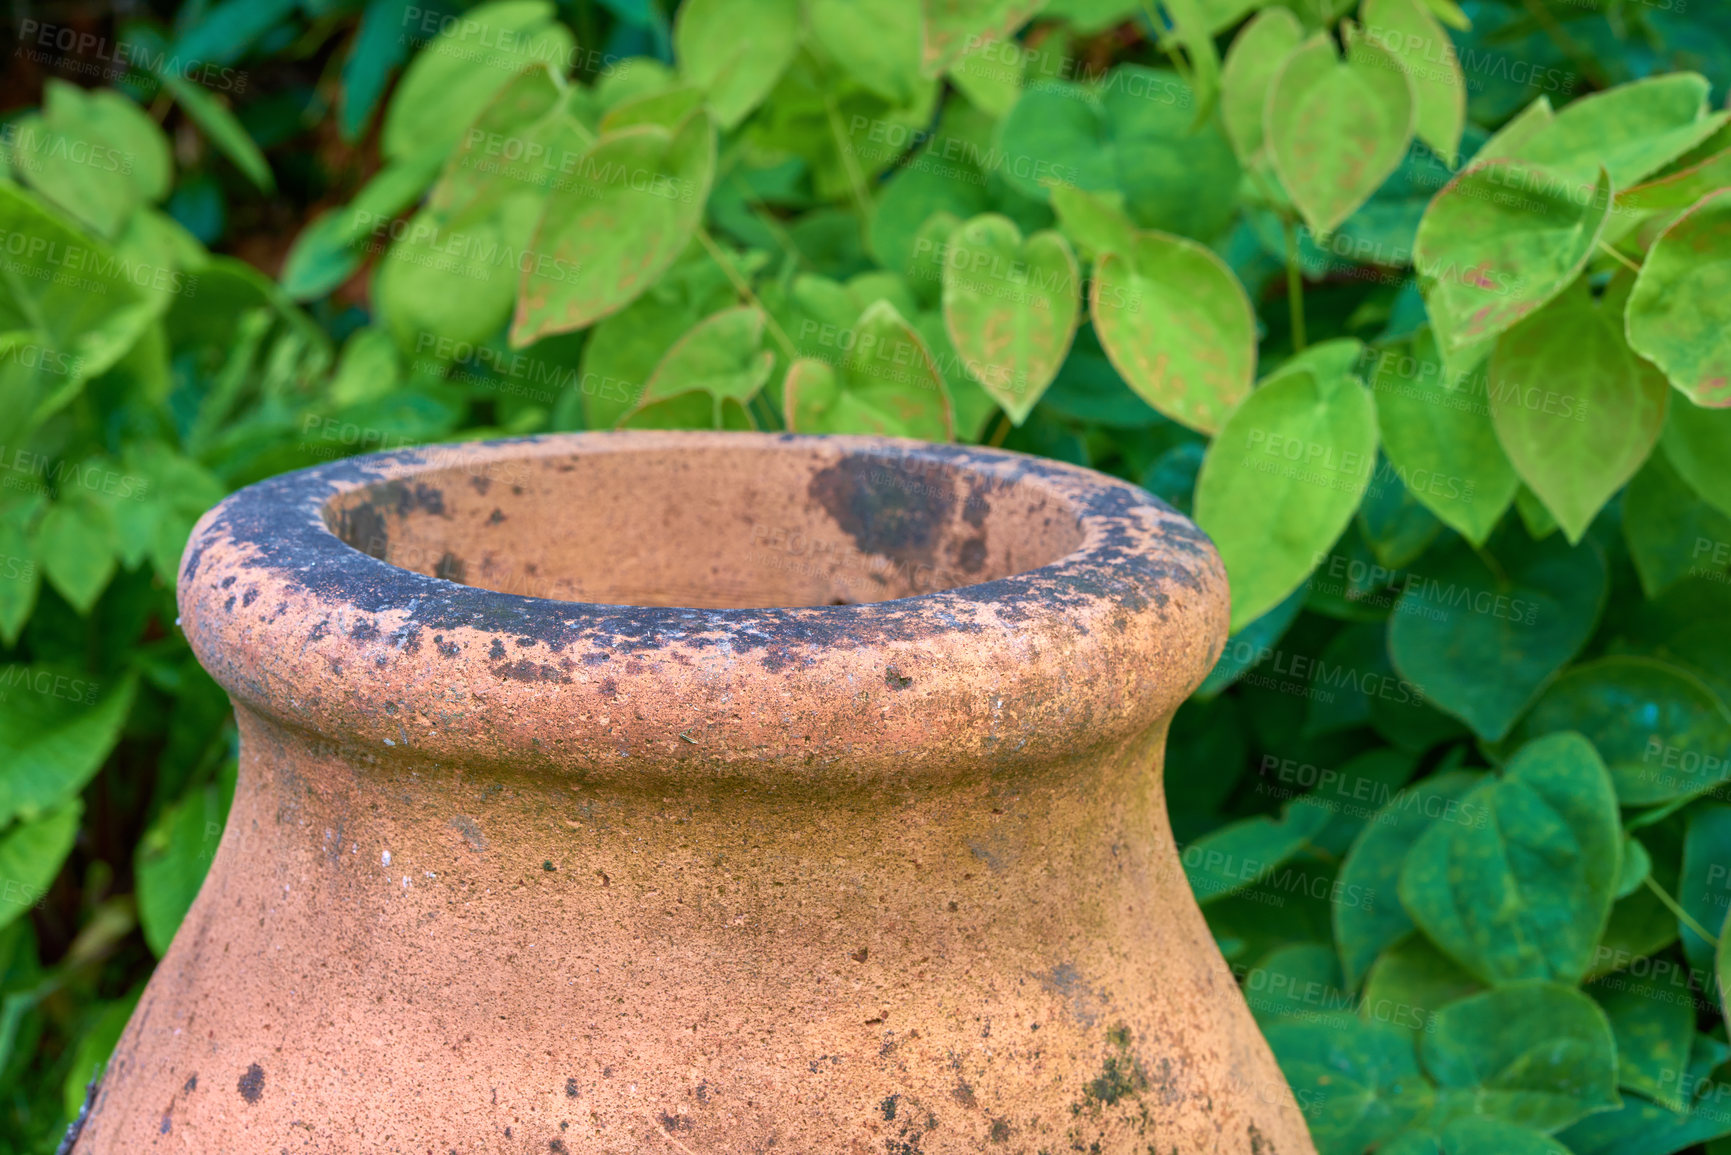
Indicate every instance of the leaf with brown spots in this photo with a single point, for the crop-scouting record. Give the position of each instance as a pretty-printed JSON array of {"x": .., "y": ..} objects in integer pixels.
[{"x": 608, "y": 233}]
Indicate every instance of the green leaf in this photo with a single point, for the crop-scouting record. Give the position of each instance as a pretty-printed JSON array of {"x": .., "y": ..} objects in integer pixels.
[
  {"x": 1282, "y": 480},
  {"x": 1470, "y": 1136},
  {"x": 1010, "y": 308},
  {"x": 379, "y": 47},
  {"x": 1179, "y": 328},
  {"x": 1437, "y": 433},
  {"x": 1538, "y": 1054},
  {"x": 1704, "y": 883},
  {"x": 95, "y": 1044},
  {"x": 1661, "y": 731},
  {"x": 602, "y": 244},
  {"x": 1243, "y": 853},
  {"x": 1642, "y": 1128},
  {"x": 1408, "y": 31},
  {"x": 523, "y": 141},
  {"x": 170, "y": 862},
  {"x": 1697, "y": 442},
  {"x": 1410, "y": 982},
  {"x": 95, "y": 154},
  {"x": 1496, "y": 245},
  {"x": 1362, "y": 931},
  {"x": 1252, "y": 63},
  {"x": 1358, "y": 1083},
  {"x": 951, "y": 25},
  {"x": 76, "y": 541},
  {"x": 1251, "y": 644},
  {"x": 1526, "y": 894},
  {"x": 459, "y": 71},
  {"x": 1631, "y": 130},
  {"x": 31, "y": 852},
  {"x": 708, "y": 376},
  {"x": 1481, "y": 641},
  {"x": 220, "y": 125},
  {"x": 882, "y": 382},
  {"x": 989, "y": 74},
  {"x": 1295, "y": 981},
  {"x": 1192, "y": 30},
  {"x": 877, "y": 41},
  {"x": 1574, "y": 408},
  {"x": 1337, "y": 129},
  {"x": 1680, "y": 312},
  {"x": 1671, "y": 534},
  {"x": 20, "y": 571},
  {"x": 56, "y": 729},
  {"x": 1654, "y": 1030},
  {"x": 1096, "y": 222},
  {"x": 1131, "y": 133},
  {"x": 458, "y": 284},
  {"x": 735, "y": 50}
]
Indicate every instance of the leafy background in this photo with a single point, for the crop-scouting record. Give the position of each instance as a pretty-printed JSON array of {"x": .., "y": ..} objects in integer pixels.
[{"x": 1420, "y": 309}]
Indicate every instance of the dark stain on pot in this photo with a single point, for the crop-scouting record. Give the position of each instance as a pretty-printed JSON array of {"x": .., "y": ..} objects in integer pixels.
[
  {"x": 896, "y": 680},
  {"x": 191, "y": 1084},
  {"x": 251, "y": 1084},
  {"x": 888, "y": 1107},
  {"x": 557, "y": 1146},
  {"x": 318, "y": 632},
  {"x": 1259, "y": 1143},
  {"x": 249, "y": 597},
  {"x": 1065, "y": 981},
  {"x": 448, "y": 649},
  {"x": 671, "y": 1123},
  {"x": 450, "y": 567},
  {"x": 571, "y": 1088},
  {"x": 364, "y": 630},
  {"x": 497, "y": 650},
  {"x": 883, "y": 514},
  {"x": 963, "y": 1094},
  {"x": 1000, "y": 1131}
]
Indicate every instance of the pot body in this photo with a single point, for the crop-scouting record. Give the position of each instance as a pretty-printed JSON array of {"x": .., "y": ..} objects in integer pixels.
[{"x": 399, "y": 949}]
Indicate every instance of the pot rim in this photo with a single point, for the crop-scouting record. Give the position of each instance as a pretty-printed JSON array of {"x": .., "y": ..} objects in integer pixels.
[{"x": 1090, "y": 649}]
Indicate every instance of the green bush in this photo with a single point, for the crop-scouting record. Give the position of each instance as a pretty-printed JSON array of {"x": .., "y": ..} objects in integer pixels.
[{"x": 1422, "y": 311}]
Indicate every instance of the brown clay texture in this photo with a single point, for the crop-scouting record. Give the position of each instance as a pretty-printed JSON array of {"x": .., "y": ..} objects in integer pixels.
[{"x": 683, "y": 792}]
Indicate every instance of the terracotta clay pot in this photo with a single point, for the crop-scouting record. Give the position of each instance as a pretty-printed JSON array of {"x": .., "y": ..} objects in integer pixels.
[{"x": 866, "y": 853}]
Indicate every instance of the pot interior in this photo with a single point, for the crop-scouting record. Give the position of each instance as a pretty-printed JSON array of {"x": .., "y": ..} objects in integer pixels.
[{"x": 763, "y": 524}]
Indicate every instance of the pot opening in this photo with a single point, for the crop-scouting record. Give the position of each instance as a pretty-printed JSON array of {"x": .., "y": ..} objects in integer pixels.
[{"x": 710, "y": 527}]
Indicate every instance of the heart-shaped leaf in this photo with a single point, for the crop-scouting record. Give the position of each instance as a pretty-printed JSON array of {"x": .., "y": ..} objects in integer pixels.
[
  {"x": 1680, "y": 312},
  {"x": 1537, "y": 1054},
  {"x": 1482, "y": 642},
  {"x": 877, "y": 41},
  {"x": 1574, "y": 408},
  {"x": 1661, "y": 731},
  {"x": 951, "y": 25},
  {"x": 1177, "y": 325},
  {"x": 1437, "y": 433},
  {"x": 31, "y": 854},
  {"x": 1470, "y": 1136},
  {"x": 1525, "y": 894},
  {"x": 602, "y": 241},
  {"x": 877, "y": 378},
  {"x": 1281, "y": 481},
  {"x": 1654, "y": 1031},
  {"x": 1133, "y": 133},
  {"x": 1362, "y": 931},
  {"x": 1496, "y": 245},
  {"x": 1010, "y": 308},
  {"x": 709, "y": 375},
  {"x": 1096, "y": 222},
  {"x": 1671, "y": 533},
  {"x": 1337, "y": 129},
  {"x": 1631, "y": 130},
  {"x": 735, "y": 50},
  {"x": 1408, "y": 31},
  {"x": 1257, "y": 53},
  {"x": 1358, "y": 1083},
  {"x": 1697, "y": 442},
  {"x": 56, "y": 730}
]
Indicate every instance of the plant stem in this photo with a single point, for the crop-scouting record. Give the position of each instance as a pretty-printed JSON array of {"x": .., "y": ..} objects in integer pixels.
[
  {"x": 1567, "y": 44},
  {"x": 1000, "y": 431},
  {"x": 1294, "y": 285},
  {"x": 855, "y": 177},
  {"x": 1683, "y": 916},
  {"x": 743, "y": 288},
  {"x": 1620, "y": 258}
]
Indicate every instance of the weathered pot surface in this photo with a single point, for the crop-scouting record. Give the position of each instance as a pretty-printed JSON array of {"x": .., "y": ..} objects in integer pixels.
[{"x": 868, "y": 854}]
